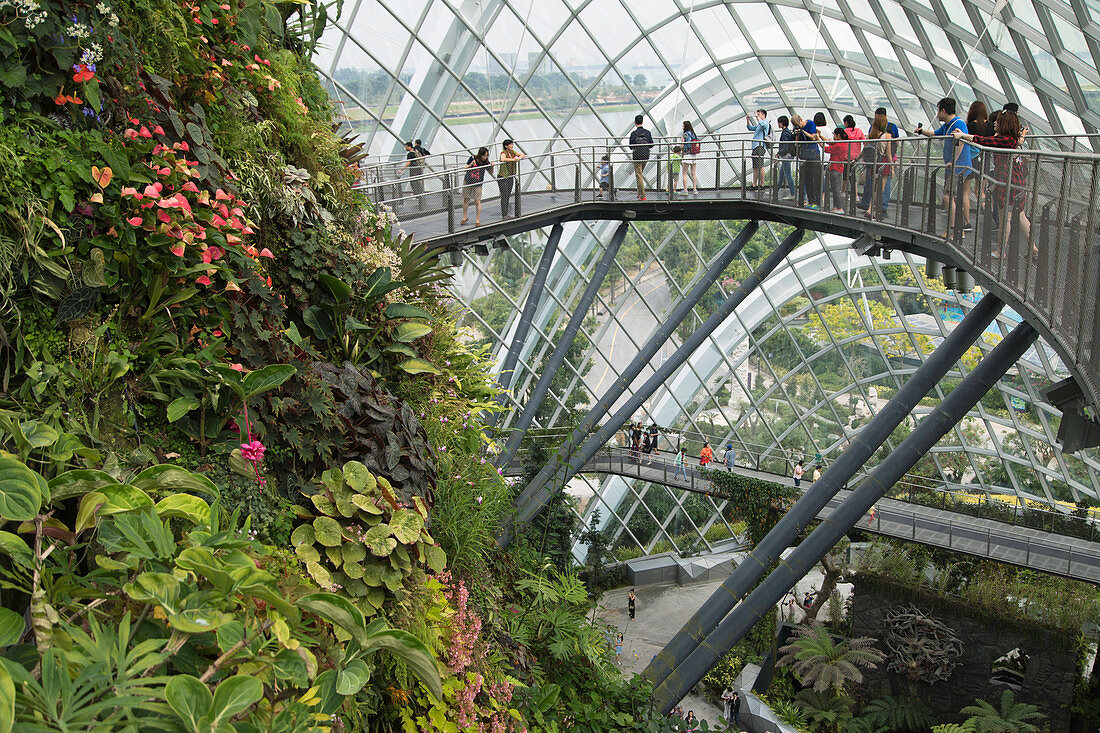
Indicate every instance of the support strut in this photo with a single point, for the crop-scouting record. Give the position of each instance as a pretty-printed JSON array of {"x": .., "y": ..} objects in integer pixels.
[
  {"x": 538, "y": 394},
  {"x": 526, "y": 509},
  {"x": 861, "y": 449},
  {"x": 761, "y": 601}
]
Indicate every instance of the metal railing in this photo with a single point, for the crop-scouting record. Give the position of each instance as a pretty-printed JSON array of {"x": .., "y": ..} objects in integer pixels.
[{"x": 912, "y": 489}]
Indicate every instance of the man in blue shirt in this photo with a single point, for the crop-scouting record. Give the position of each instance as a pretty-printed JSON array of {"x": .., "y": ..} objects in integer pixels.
[
  {"x": 865, "y": 198},
  {"x": 761, "y": 133},
  {"x": 809, "y": 155},
  {"x": 956, "y": 161}
]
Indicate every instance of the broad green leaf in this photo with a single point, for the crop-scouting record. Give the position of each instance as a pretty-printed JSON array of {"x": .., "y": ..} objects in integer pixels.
[
  {"x": 366, "y": 503},
  {"x": 337, "y": 610},
  {"x": 403, "y": 349},
  {"x": 340, "y": 290},
  {"x": 328, "y": 531},
  {"x": 184, "y": 506},
  {"x": 17, "y": 549},
  {"x": 409, "y": 650},
  {"x": 290, "y": 666},
  {"x": 379, "y": 541},
  {"x": 11, "y": 627},
  {"x": 359, "y": 478},
  {"x": 67, "y": 444},
  {"x": 404, "y": 310},
  {"x": 235, "y": 695},
  {"x": 20, "y": 492},
  {"x": 405, "y": 525},
  {"x": 160, "y": 588},
  {"x": 7, "y": 699},
  {"x": 372, "y": 574},
  {"x": 411, "y": 331},
  {"x": 166, "y": 477},
  {"x": 189, "y": 699},
  {"x": 308, "y": 553},
  {"x": 352, "y": 677},
  {"x": 75, "y": 483},
  {"x": 353, "y": 552},
  {"x": 435, "y": 557},
  {"x": 37, "y": 434},
  {"x": 181, "y": 406},
  {"x": 302, "y": 535},
  {"x": 319, "y": 573},
  {"x": 107, "y": 500},
  {"x": 418, "y": 366},
  {"x": 230, "y": 634},
  {"x": 267, "y": 378},
  {"x": 198, "y": 620}
]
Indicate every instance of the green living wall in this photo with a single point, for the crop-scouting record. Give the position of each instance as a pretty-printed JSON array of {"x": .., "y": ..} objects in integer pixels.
[{"x": 243, "y": 473}]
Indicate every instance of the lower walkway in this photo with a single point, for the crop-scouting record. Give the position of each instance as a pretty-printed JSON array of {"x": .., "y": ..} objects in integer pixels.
[{"x": 1030, "y": 548}]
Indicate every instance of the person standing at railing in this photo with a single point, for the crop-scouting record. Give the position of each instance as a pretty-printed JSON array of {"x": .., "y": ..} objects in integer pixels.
[
  {"x": 414, "y": 162},
  {"x": 957, "y": 164},
  {"x": 977, "y": 118},
  {"x": 691, "y": 157},
  {"x": 476, "y": 169},
  {"x": 881, "y": 141},
  {"x": 761, "y": 130},
  {"x": 681, "y": 464},
  {"x": 1009, "y": 172},
  {"x": 809, "y": 155},
  {"x": 605, "y": 176},
  {"x": 838, "y": 151},
  {"x": 641, "y": 142},
  {"x": 507, "y": 174},
  {"x": 865, "y": 199},
  {"x": 653, "y": 434},
  {"x": 799, "y": 470},
  {"x": 786, "y": 155},
  {"x": 674, "y": 163}
]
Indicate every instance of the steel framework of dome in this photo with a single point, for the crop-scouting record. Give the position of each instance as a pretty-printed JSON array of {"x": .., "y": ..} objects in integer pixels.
[{"x": 814, "y": 338}]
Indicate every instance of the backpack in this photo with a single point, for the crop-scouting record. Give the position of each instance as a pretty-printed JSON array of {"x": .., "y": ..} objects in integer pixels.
[
  {"x": 693, "y": 147},
  {"x": 640, "y": 142},
  {"x": 769, "y": 136}
]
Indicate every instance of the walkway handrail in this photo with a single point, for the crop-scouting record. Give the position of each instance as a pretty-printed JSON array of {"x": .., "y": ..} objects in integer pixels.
[{"x": 910, "y": 492}]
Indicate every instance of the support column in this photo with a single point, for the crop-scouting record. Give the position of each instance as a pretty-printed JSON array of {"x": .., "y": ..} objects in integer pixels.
[
  {"x": 538, "y": 284},
  {"x": 861, "y": 449},
  {"x": 538, "y": 394},
  {"x": 763, "y": 600},
  {"x": 647, "y": 352}
]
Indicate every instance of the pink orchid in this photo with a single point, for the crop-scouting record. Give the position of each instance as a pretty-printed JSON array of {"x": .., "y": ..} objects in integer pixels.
[
  {"x": 135, "y": 221},
  {"x": 253, "y": 451},
  {"x": 202, "y": 280}
]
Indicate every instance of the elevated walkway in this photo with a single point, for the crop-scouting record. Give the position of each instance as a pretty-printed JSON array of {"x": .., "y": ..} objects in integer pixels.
[
  {"x": 986, "y": 538},
  {"x": 1047, "y": 269}
]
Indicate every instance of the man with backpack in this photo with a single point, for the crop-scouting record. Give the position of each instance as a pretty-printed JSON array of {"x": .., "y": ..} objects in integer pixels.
[
  {"x": 761, "y": 134},
  {"x": 641, "y": 141}
]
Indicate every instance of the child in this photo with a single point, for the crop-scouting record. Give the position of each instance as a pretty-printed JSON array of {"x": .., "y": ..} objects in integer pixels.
[
  {"x": 605, "y": 175},
  {"x": 839, "y": 153},
  {"x": 674, "y": 168}
]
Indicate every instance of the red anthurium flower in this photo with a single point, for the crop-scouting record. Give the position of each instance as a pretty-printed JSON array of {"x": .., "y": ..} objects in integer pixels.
[
  {"x": 164, "y": 216},
  {"x": 265, "y": 252},
  {"x": 83, "y": 73},
  {"x": 158, "y": 130},
  {"x": 236, "y": 367},
  {"x": 189, "y": 186},
  {"x": 144, "y": 132},
  {"x": 221, "y": 195},
  {"x": 130, "y": 191},
  {"x": 177, "y": 249},
  {"x": 204, "y": 280},
  {"x": 135, "y": 221},
  {"x": 130, "y": 134},
  {"x": 152, "y": 191}
]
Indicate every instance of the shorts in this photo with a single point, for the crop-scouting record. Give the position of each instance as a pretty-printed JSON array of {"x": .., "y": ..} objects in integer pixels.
[
  {"x": 604, "y": 185},
  {"x": 951, "y": 183},
  {"x": 471, "y": 193},
  {"x": 758, "y": 156}
]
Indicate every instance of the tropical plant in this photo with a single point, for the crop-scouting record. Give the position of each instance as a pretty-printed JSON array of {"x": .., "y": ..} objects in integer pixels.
[
  {"x": 789, "y": 712},
  {"x": 951, "y": 728},
  {"x": 760, "y": 504},
  {"x": 1010, "y": 717},
  {"x": 897, "y": 713},
  {"x": 364, "y": 539},
  {"x": 827, "y": 711},
  {"x": 827, "y": 663}
]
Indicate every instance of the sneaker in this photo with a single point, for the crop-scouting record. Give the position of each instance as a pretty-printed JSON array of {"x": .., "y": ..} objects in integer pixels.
[
  {"x": 641, "y": 198},
  {"x": 815, "y": 207},
  {"x": 787, "y": 196},
  {"x": 599, "y": 195},
  {"x": 968, "y": 227}
]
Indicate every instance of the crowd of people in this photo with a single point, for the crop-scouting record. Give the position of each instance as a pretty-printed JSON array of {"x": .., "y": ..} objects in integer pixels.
[{"x": 822, "y": 154}]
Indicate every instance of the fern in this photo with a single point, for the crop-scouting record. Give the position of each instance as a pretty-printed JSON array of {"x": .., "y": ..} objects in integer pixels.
[
  {"x": 1012, "y": 717},
  {"x": 897, "y": 713}
]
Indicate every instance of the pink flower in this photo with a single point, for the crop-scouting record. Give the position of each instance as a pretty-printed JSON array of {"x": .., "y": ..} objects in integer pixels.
[
  {"x": 128, "y": 191},
  {"x": 177, "y": 249},
  {"x": 158, "y": 130},
  {"x": 190, "y": 186},
  {"x": 202, "y": 280},
  {"x": 212, "y": 254},
  {"x": 236, "y": 367},
  {"x": 135, "y": 221},
  {"x": 144, "y": 132},
  {"x": 479, "y": 500},
  {"x": 253, "y": 451},
  {"x": 265, "y": 252}
]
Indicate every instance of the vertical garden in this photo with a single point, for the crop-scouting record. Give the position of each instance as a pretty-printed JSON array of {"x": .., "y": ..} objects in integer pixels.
[{"x": 243, "y": 483}]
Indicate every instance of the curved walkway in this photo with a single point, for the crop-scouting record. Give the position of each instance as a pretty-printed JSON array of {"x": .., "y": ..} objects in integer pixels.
[
  {"x": 985, "y": 538},
  {"x": 1050, "y": 272}
]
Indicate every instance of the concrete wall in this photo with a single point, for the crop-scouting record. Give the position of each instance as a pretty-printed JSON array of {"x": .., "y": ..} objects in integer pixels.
[{"x": 1048, "y": 678}]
